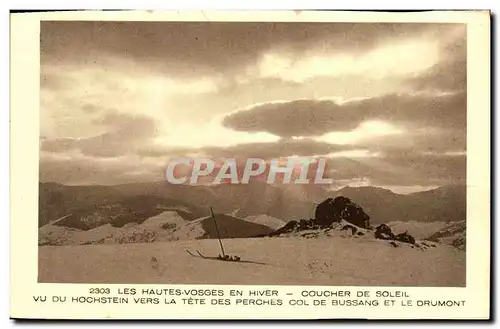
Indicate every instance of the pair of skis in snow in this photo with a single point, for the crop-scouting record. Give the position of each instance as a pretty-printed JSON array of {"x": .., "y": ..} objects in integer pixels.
[
  {"x": 222, "y": 257},
  {"x": 234, "y": 259},
  {"x": 219, "y": 257}
]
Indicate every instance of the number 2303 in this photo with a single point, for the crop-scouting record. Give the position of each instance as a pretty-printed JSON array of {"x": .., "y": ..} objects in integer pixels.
[{"x": 99, "y": 291}]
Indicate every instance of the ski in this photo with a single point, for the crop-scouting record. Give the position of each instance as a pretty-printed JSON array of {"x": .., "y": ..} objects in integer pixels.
[
  {"x": 190, "y": 253},
  {"x": 220, "y": 258},
  {"x": 199, "y": 255}
]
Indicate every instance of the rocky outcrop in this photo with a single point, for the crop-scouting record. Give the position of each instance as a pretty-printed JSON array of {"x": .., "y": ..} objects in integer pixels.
[
  {"x": 344, "y": 215},
  {"x": 328, "y": 213},
  {"x": 334, "y": 210},
  {"x": 453, "y": 234},
  {"x": 405, "y": 237},
  {"x": 384, "y": 232},
  {"x": 292, "y": 226}
]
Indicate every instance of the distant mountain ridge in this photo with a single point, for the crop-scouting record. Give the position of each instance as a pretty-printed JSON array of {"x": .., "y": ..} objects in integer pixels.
[
  {"x": 92, "y": 206},
  {"x": 444, "y": 204}
]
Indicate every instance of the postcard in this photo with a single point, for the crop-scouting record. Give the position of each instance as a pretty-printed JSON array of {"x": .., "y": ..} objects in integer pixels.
[{"x": 250, "y": 165}]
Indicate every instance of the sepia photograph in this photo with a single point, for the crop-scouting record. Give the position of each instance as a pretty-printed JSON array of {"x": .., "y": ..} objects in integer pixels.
[{"x": 253, "y": 153}]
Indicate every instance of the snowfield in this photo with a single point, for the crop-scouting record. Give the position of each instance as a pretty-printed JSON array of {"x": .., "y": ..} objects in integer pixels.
[
  {"x": 419, "y": 230},
  {"x": 266, "y": 220},
  {"x": 340, "y": 259}
]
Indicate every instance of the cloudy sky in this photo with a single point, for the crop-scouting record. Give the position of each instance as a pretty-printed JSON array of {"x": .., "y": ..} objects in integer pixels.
[{"x": 385, "y": 103}]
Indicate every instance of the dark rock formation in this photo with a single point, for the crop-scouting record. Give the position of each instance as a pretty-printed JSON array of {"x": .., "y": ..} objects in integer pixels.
[
  {"x": 350, "y": 227},
  {"x": 394, "y": 244},
  {"x": 384, "y": 232},
  {"x": 327, "y": 213},
  {"x": 405, "y": 237},
  {"x": 341, "y": 209},
  {"x": 292, "y": 225},
  {"x": 334, "y": 210},
  {"x": 458, "y": 243}
]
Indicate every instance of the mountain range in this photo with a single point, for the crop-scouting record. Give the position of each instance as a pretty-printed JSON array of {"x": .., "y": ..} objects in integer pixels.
[{"x": 87, "y": 207}]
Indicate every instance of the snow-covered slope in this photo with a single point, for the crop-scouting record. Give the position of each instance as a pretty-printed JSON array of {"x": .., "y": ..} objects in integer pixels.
[
  {"x": 166, "y": 226},
  {"x": 419, "y": 230},
  {"x": 453, "y": 233},
  {"x": 340, "y": 259},
  {"x": 337, "y": 255},
  {"x": 56, "y": 235},
  {"x": 157, "y": 228}
]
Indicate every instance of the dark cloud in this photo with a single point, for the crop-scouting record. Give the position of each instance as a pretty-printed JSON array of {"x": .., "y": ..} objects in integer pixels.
[
  {"x": 89, "y": 170},
  {"x": 125, "y": 133},
  {"x": 403, "y": 169},
  {"x": 214, "y": 46},
  {"x": 295, "y": 118},
  {"x": 450, "y": 73},
  {"x": 282, "y": 148},
  {"x": 232, "y": 94},
  {"x": 392, "y": 166},
  {"x": 317, "y": 117},
  {"x": 420, "y": 140},
  {"x": 415, "y": 169},
  {"x": 433, "y": 165}
]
